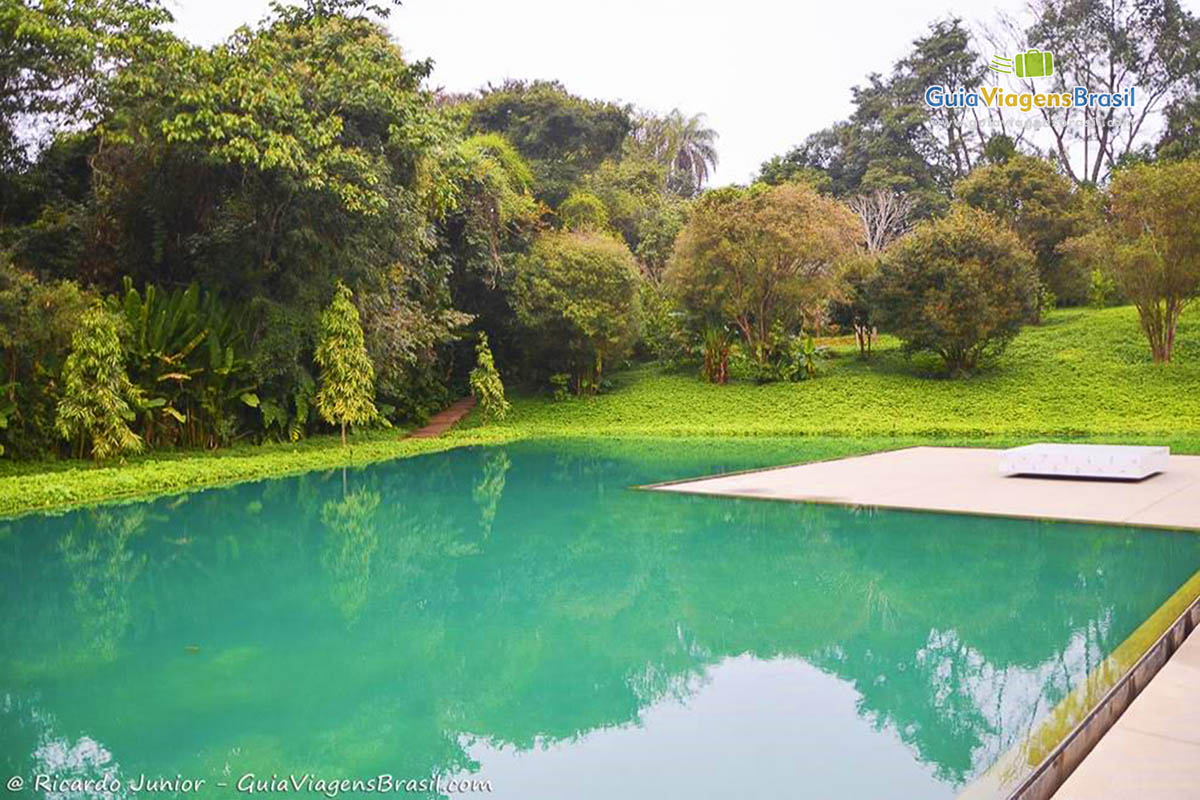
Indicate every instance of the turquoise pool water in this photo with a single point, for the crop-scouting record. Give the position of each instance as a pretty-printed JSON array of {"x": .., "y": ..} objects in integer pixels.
[{"x": 518, "y": 615}]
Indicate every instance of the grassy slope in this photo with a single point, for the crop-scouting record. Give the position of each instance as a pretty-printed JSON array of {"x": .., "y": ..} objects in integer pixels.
[{"x": 1084, "y": 374}]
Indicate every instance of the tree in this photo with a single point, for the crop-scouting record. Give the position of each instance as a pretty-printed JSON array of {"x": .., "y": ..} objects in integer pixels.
[
  {"x": 1042, "y": 205},
  {"x": 1153, "y": 249},
  {"x": 894, "y": 141},
  {"x": 577, "y": 296},
  {"x": 1108, "y": 46},
  {"x": 685, "y": 145},
  {"x": 760, "y": 258},
  {"x": 98, "y": 400},
  {"x": 959, "y": 286},
  {"x": 347, "y": 383},
  {"x": 57, "y": 59},
  {"x": 885, "y": 216},
  {"x": 563, "y": 137},
  {"x": 486, "y": 385}
]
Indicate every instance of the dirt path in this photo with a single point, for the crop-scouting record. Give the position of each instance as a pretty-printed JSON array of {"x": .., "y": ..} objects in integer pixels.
[{"x": 442, "y": 421}]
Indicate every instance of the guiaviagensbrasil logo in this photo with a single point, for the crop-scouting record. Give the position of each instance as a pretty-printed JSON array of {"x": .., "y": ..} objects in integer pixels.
[
  {"x": 1027, "y": 65},
  {"x": 1030, "y": 64}
]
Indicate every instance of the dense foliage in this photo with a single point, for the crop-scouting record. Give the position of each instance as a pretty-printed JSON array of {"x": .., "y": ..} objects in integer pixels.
[
  {"x": 959, "y": 287},
  {"x": 213, "y": 198},
  {"x": 577, "y": 294},
  {"x": 763, "y": 260}
]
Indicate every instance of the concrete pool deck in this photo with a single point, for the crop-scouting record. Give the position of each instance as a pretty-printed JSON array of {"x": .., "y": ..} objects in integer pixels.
[{"x": 966, "y": 481}]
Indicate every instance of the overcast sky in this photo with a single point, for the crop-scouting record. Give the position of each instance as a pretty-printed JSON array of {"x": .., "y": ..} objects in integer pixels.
[{"x": 766, "y": 73}]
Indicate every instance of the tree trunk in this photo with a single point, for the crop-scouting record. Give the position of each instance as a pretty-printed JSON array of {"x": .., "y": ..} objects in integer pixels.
[{"x": 343, "y": 434}]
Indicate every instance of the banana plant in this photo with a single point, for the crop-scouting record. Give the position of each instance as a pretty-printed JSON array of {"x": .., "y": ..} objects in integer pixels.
[{"x": 185, "y": 383}]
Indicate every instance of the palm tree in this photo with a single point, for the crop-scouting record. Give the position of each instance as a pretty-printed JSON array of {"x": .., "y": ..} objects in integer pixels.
[{"x": 686, "y": 146}]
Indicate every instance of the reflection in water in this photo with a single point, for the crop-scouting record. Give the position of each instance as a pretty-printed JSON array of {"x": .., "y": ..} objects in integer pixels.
[
  {"x": 490, "y": 489},
  {"x": 350, "y": 542},
  {"x": 788, "y": 725},
  {"x": 103, "y": 571},
  {"x": 521, "y": 613}
]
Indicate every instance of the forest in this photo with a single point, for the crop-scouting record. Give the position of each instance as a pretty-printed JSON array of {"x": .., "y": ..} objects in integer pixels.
[{"x": 293, "y": 231}]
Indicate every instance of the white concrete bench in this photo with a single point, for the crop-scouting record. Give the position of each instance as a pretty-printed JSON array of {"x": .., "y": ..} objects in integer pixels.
[{"x": 1122, "y": 462}]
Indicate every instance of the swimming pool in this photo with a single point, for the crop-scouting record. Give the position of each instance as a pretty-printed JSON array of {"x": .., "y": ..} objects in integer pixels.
[{"x": 518, "y": 615}]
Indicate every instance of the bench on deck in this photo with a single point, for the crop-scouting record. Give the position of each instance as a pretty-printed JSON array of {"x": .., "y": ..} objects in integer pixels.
[{"x": 1114, "y": 462}]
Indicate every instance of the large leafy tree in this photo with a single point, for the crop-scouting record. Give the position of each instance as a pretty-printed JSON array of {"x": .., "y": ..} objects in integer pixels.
[
  {"x": 347, "y": 383},
  {"x": 959, "y": 286},
  {"x": 57, "y": 60},
  {"x": 577, "y": 295},
  {"x": 562, "y": 136},
  {"x": 761, "y": 258}
]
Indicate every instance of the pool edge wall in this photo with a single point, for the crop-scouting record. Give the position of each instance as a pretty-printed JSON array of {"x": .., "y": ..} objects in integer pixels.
[{"x": 1054, "y": 770}]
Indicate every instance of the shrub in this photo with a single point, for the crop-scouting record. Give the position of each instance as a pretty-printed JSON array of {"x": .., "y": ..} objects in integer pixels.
[
  {"x": 486, "y": 385},
  {"x": 98, "y": 399},
  {"x": 959, "y": 287},
  {"x": 1102, "y": 290},
  {"x": 577, "y": 296}
]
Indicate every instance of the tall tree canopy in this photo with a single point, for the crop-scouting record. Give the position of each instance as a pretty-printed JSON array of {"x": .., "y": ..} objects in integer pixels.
[
  {"x": 1109, "y": 46},
  {"x": 684, "y": 145},
  {"x": 57, "y": 60},
  {"x": 893, "y": 141},
  {"x": 562, "y": 136},
  {"x": 1043, "y": 206}
]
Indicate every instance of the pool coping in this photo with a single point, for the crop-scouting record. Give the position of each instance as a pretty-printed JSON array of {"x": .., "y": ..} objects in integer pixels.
[
  {"x": 1049, "y": 776},
  {"x": 1187, "y": 471}
]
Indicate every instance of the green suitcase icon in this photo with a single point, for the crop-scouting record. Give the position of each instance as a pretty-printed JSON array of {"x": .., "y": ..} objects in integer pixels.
[{"x": 1035, "y": 64}]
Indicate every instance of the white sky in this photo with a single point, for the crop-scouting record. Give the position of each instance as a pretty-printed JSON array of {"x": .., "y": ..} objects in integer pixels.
[{"x": 767, "y": 74}]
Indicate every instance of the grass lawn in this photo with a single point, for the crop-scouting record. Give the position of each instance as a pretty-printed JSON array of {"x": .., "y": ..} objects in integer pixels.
[{"x": 1083, "y": 375}]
